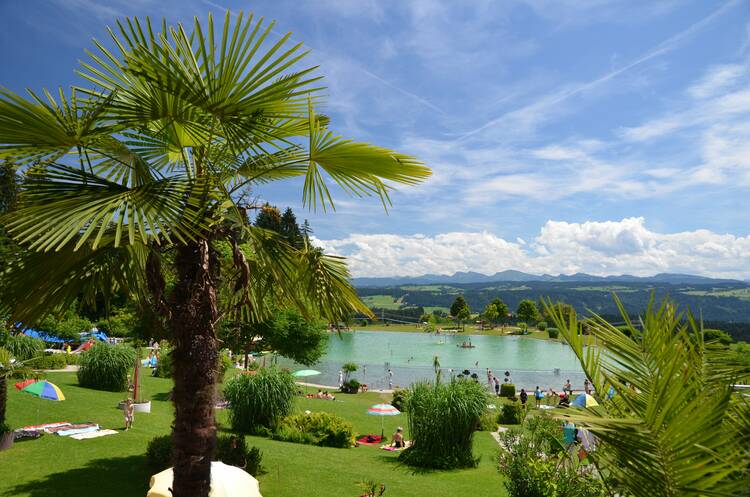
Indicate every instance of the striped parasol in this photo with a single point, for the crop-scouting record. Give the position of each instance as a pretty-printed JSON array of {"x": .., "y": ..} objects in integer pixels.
[
  {"x": 585, "y": 400},
  {"x": 382, "y": 410},
  {"x": 45, "y": 390}
]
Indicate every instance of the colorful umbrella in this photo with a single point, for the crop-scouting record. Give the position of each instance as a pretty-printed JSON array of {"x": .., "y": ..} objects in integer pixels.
[
  {"x": 25, "y": 383},
  {"x": 45, "y": 390},
  {"x": 305, "y": 372},
  {"x": 585, "y": 400},
  {"x": 382, "y": 410}
]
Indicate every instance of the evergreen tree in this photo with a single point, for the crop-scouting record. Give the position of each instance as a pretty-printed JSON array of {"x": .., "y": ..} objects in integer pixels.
[
  {"x": 306, "y": 231},
  {"x": 269, "y": 218},
  {"x": 290, "y": 229}
]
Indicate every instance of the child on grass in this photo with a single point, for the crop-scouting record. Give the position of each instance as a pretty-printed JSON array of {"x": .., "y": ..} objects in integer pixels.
[{"x": 129, "y": 414}]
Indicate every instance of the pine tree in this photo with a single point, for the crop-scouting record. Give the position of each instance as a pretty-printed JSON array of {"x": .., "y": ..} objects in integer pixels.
[
  {"x": 269, "y": 218},
  {"x": 290, "y": 229}
]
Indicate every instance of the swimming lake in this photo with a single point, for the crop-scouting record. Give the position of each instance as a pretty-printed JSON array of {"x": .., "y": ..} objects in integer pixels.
[{"x": 410, "y": 356}]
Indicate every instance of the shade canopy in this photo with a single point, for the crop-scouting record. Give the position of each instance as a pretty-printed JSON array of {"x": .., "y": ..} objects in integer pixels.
[
  {"x": 226, "y": 481},
  {"x": 383, "y": 410},
  {"x": 305, "y": 372},
  {"x": 45, "y": 336},
  {"x": 585, "y": 400},
  {"x": 44, "y": 390}
]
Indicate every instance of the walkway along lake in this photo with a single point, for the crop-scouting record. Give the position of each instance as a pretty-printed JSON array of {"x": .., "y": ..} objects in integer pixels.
[{"x": 410, "y": 356}]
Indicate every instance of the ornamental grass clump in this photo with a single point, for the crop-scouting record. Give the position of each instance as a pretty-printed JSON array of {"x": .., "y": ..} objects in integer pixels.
[
  {"x": 106, "y": 367},
  {"x": 23, "y": 347},
  {"x": 442, "y": 421},
  {"x": 259, "y": 401}
]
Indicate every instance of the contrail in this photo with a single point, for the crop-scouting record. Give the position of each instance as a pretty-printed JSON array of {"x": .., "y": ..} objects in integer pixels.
[
  {"x": 368, "y": 73},
  {"x": 662, "y": 48}
]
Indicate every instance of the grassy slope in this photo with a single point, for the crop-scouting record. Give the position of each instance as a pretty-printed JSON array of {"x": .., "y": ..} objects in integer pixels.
[{"x": 115, "y": 466}]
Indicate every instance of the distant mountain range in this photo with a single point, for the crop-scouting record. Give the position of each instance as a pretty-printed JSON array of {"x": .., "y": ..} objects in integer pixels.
[{"x": 511, "y": 275}]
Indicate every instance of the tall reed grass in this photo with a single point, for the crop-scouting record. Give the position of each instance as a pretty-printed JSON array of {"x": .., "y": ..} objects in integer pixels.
[
  {"x": 106, "y": 367},
  {"x": 260, "y": 400},
  {"x": 442, "y": 421}
]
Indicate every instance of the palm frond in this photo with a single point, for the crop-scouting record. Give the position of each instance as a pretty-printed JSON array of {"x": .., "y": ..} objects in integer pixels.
[
  {"x": 62, "y": 205},
  {"x": 667, "y": 427},
  {"x": 359, "y": 169}
]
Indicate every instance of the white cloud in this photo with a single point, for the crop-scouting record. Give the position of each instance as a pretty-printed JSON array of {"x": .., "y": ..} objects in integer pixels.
[
  {"x": 602, "y": 248},
  {"x": 716, "y": 79}
]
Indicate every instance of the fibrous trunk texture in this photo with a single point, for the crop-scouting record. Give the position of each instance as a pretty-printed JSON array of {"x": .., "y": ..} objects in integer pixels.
[{"x": 195, "y": 357}]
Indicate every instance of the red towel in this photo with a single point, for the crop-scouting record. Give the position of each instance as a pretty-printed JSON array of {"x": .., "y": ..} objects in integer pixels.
[{"x": 374, "y": 440}]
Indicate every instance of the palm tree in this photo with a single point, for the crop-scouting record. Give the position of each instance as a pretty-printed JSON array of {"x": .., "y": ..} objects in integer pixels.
[
  {"x": 668, "y": 423},
  {"x": 9, "y": 367},
  {"x": 153, "y": 160}
]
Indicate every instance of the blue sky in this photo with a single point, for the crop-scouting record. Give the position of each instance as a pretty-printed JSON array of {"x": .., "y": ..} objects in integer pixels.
[{"x": 603, "y": 136}]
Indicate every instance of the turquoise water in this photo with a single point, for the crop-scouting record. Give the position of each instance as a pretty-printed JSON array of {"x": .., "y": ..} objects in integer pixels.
[{"x": 410, "y": 356}]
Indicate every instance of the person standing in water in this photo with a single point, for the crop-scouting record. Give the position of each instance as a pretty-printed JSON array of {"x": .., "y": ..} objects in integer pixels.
[{"x": 390, "y": 379}]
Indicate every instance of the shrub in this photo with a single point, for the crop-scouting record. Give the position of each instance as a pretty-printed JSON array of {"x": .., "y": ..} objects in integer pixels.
[
  {"x": 159, "y": 453},
  {"x": 225, "y": 363},
  {"x": 260, "y": 400},
  {"x": 553, "y": 332},
  {"x": 556, "y": 473},
  {"x": 5, "y": 428},
  {"x": 442, "y": 421},
  {"x": 488, "y": 421},
  {"x": 507, "y": 390},
  {"x": 164, "y": 365},
  {"x": 233, "y": 450},
  {"x": 70, "y": 325},
  {"x": 106, "y": 367},
  {"x": 511, "y": 414},
  {"x": 71, "y": 359},
  {"x": 23, "y": 347},
  {"x": 400, "y": 398},
  {"x": 318, "y": 428},
  {"x": 230, "y": 449},
  {"x": 49, "y": 361},
  {"x": 351, "y": 386},
  {"x": 541, "y": 325}
]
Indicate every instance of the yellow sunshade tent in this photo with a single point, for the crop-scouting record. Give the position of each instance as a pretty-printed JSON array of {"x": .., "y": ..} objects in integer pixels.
[{"x": 226, "y": 481}]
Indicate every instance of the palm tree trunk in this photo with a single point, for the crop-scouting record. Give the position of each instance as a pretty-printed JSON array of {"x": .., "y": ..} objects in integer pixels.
[
  {"x": 3, "y": 398},
  {"x": 195, "y": 359}
]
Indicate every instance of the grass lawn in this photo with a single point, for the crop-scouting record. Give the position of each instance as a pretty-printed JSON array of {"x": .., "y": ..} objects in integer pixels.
[{"x": 115, "y": 465}]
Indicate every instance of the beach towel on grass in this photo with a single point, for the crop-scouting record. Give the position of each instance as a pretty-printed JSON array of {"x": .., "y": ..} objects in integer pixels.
[
  {"x": 75, "y": 426},
  {"x": 46, "y": 426},
  {"x": 76, "y": 431},
  {"x": 93, "y": 434},
  {"x": 374, "y": 440}
]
